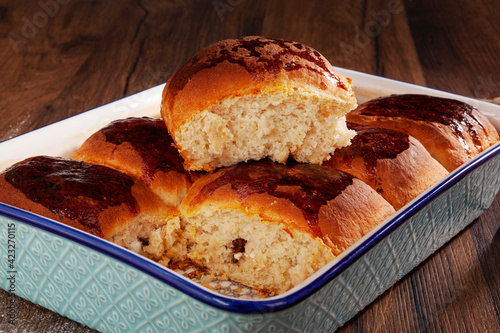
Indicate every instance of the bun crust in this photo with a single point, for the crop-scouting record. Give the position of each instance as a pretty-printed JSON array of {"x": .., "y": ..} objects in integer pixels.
[
  {"x": 289, "y": 217},
  {"x": 92, "y": 198},
  {"x": 143, "y": 149},
  {"x": 393, "y": 163},
  {"x": 452, "y": 131},
  {"x": 351, "y": 215},
  {"x": 256, "y": 74}
]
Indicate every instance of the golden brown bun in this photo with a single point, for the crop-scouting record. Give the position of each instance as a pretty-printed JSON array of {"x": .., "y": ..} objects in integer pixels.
[
  {"x": 143, "y": 149},
  {"x": 92, "y": 198},
  {"x": 452, "y": 131},
  {"x": 270, "y": 226},
  {"x": 353, "y": 214},
  {"x": 393, "y": 163},
  {"x": 254, "y": 97}
]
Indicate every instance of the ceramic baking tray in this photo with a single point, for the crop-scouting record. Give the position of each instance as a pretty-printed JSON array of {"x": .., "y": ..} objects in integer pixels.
[{"x": 113, "y": 290}]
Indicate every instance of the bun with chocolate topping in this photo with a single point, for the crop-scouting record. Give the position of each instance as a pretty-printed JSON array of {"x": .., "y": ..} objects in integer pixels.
[
  {"x": 255, "y": 97},
  {"x": 270, "y": 226},
  {"x": 393, "y": 163},
  {"x": 143, "y": 149},
  {"x": 260, "y": 115},
  {"x": 95, "y": 199},
  {"x": 452, "y": 131}
]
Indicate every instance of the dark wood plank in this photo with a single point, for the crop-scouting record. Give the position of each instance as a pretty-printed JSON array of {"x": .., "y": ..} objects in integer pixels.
[
  {"x": 34, "y": 318},
  {"x": 59, "y": 65},
  {"x": 459, "y": 46},
  {"x": 89, "y": 53}
]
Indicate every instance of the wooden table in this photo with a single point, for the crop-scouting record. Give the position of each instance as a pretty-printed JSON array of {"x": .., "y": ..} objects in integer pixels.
[{"x": 59, "y": 58}]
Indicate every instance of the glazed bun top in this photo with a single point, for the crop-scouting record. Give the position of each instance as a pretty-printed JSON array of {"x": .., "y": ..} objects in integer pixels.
[
  {"x": 318, "y": 200},
  {"x": 240, "y": 66},
  {"x": 452, "y": 131},
  {"x": 143, "y": 149},
  {"x": 93, "y": 198},
  {"x": 393, "y": 163},
  {"x": 305, "y": 188}
]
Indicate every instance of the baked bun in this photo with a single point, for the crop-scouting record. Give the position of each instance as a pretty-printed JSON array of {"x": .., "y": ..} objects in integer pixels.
[
  {"x": 452, "y": 131},
  {"x": 95, "y": 199},
  {"x": 393, "y": 163},
  {"x": 270, "y": 226},
  {"x": 143, "y": 149},
  {"x": 254, "y": 97}
]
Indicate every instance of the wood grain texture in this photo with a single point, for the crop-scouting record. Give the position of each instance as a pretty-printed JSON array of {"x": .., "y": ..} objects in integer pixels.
[{"x": 88, "y": 53}]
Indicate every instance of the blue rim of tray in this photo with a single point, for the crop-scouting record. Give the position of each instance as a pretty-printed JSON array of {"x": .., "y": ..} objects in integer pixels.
[{"x": 277, "y": 303}]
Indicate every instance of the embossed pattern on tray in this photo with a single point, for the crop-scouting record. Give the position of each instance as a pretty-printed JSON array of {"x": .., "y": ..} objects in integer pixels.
[{"x": 106, "y": 294}]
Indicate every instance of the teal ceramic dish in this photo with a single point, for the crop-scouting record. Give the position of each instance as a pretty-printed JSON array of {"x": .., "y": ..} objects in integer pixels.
[{"x": 111, "y": 289}]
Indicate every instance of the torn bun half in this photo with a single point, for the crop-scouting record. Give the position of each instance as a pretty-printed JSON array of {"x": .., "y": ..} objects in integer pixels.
[
  {"x": 255, "y": 97},
  {"x": 270, "y": 226}
]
